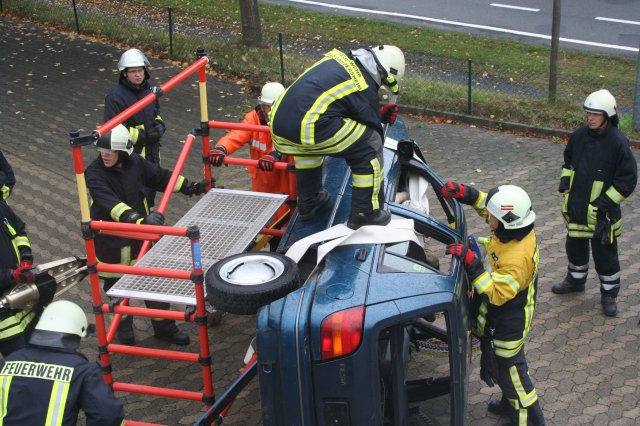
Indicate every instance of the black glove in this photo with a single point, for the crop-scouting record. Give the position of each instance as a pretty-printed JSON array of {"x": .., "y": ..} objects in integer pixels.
[
  {"x": 194, "y": 188},
  {"x": 564, "y": 184},
  {"x": 156, "y": 90},
  {"x": 154, "y": 132},
  {"x": 488, "y": 362},
  {"x": 389, "y": 113},
  {"x": 154, "y": 218},
  {"x": 266, "y": 162},
  {"x": 466, "y": 194},
  {"x": 216, "y": 155}
]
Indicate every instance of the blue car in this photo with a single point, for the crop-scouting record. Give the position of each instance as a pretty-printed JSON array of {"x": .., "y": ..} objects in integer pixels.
[{"x": 360, "y": 328}]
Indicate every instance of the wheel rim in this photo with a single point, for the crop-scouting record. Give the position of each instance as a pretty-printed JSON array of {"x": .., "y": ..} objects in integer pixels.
[{"x": 252, "y": 270}]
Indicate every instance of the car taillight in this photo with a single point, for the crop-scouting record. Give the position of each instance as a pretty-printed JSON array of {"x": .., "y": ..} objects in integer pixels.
[{"x": 341, "y": 332}]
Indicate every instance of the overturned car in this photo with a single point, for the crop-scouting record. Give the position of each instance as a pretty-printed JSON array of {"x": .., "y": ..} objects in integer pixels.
[{"x": 360, "y": 327}]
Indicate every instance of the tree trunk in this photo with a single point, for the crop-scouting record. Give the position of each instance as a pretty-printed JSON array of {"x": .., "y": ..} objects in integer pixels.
[
  {"x": 553, "y": 61},
  {"x": 250, "y": 17}
]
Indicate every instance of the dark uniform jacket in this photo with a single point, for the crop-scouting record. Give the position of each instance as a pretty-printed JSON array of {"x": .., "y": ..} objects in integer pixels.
[
  {"x": 7, "y": 178},
  {"x": 600, "y": 171},
  {"x": 507, "y": 289},
  {"x": 314, "y": 109},
  {"x": 121, "y": 97},
  {"x": 14, "y": 248},
  {"x": 48, "y": 386},
  {"x": 118, "y": 193}
]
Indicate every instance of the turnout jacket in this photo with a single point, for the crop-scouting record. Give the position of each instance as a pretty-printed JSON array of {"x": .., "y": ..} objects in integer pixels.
[
  {"x": 48, "y": 386},
  {"x": 121, "y": 97},
  {"x": 14, "y": 248},
  {"x": 275, "y": 181},
  {"x": 600, "y": 172},
  {"x": 118, "y": 193},
  {"x": 506, "y": 289},
  {"x": 7, "y": 178},
  {"x": 330, "y": 106}
]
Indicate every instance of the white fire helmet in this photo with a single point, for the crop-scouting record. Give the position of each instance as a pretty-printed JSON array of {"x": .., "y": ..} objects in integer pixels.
[
  {"x": 270, "y": 92},
  {"x": 511, "y": 205},
  {"x": 391, "y": 59},
  {"x": 63, "y": 316},
  {"x": 117, "y": 139},
  {"x": 601, "y": 102},
  {"x": 134, "y": 58}
]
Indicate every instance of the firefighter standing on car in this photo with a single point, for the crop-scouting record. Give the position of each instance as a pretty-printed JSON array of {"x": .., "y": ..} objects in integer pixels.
[
  {"x": 146, "y": 127},
  {"x": 263, "y": 178},
  {"x": 598, "y": 174},
  {"x": 15, "y": 269},
  {"x": 505, "y": 286},
  {"x": 333, "y": 109},
  {"x": 48, "y": 381},
  {"x": 116, "y": 181}
]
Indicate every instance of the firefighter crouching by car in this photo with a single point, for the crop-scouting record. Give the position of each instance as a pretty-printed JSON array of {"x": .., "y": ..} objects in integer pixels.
[
  {"x": 15, "y": 268},
  {"x": 598, "y": 174},
  {"x": 117, "y": 181},
  {"x": 264, "y": 178},
  {"x": 505, "y": 286},
  {"x": 333, "y": 109},
  {"x": 48, "y": 381}
]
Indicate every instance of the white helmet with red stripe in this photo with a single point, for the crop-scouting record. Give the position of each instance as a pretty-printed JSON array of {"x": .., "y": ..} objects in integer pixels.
[{"x": 511, "y": 205}]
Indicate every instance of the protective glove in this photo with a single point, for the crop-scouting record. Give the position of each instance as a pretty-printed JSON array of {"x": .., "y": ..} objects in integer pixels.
[
  {"x": 466, "y": 194},
  {"x": 154, "y": 132},
  {"x": 217, "y": 155},
  {"x": 472, "y": 264},
  {"x": 156, "y": 90},
  {"x": 154, "y": 218},
  {"x": 266, "y": 162},
  {"x": 488, "y": 362},
  {"x": 564, "y": 184},
  {"x": 23, "y": 273},
  {"x": 194, "y": 188},
  {"x": 389, "y": 113}
]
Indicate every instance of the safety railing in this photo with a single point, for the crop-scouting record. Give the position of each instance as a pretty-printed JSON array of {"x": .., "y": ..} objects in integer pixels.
[{"x": 149, "y": 233}]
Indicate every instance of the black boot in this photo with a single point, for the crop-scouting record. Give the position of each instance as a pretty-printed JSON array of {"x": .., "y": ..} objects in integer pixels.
[
  {"x": 568, "y": 285},
  {"x": 609, "y": 307},
  {"x": 499, "y": 407},
  {"x": 308, "y": 207},
  {"x": 125, "y": 334},
  {"x": 168, "y": 330},
  {"x": 377, "y": 217}
]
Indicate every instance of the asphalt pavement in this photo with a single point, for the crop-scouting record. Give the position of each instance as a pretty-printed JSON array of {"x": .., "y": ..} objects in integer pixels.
[{"x": 585, "y": 366}]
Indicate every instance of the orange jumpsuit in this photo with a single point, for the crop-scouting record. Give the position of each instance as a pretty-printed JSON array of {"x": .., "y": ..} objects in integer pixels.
[{"x": 275, "y": 181}]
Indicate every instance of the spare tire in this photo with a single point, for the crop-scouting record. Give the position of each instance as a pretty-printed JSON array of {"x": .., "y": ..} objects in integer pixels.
[{"x": 242, "y": 283}]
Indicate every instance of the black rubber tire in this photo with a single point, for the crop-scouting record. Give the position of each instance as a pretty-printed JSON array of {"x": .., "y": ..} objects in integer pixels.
[{"x": 242, "y": 283}]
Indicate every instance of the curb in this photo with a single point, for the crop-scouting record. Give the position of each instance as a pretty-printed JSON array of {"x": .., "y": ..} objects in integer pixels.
[{"x": 493, "y": 124}]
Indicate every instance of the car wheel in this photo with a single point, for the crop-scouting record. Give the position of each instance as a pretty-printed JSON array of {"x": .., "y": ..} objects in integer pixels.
[{"x": 242, "y": 283}]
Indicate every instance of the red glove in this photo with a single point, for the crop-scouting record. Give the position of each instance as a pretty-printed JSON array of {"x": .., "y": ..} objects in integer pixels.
[
  {"x": 216, "y": 156},
  {"x": 459, "y": 250},
  {"x": 389, "y": 113},
  {"x": 23, "y": 274},
  {"x": 266, "y": 163},
  {"x": 453, "y": 190}
]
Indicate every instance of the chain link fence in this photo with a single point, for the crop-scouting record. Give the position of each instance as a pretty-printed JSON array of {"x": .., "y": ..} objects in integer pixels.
[{"x": 461, "y": 82}]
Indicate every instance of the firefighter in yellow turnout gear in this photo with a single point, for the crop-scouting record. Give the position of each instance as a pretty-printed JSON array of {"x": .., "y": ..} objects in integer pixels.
[{"x": 505, "y": 286}]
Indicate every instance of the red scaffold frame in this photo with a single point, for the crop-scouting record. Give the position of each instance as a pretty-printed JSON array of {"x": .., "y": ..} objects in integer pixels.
[{"x": 150, "y": 233}]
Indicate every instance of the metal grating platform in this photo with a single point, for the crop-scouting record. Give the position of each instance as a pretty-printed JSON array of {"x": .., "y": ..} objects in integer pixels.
[{"x": 229, "y": 220}]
